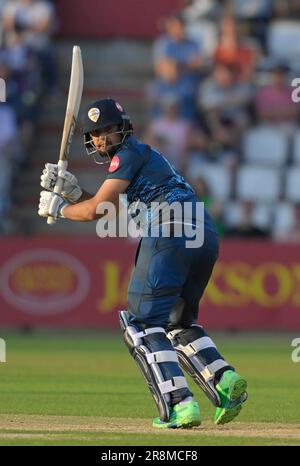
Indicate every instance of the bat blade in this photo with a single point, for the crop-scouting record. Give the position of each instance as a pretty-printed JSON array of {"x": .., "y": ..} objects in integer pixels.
[{"x": 73, "y": 105}]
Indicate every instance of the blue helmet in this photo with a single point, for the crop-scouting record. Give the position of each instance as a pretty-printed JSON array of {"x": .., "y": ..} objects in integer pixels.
[{"x": 100, "y": 114}]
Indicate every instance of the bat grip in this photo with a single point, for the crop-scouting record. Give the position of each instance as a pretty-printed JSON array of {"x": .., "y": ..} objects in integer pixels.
[{"x": 62, "y": 165}]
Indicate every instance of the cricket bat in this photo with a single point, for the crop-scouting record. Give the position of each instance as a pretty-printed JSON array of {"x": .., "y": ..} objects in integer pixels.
[{"x": 73, "y": 105}]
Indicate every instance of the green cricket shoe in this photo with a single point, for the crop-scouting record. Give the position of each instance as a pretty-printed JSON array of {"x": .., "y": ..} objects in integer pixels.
[
  {"x": 182, "y": 416},
  {"x": 232, "y": 390}
]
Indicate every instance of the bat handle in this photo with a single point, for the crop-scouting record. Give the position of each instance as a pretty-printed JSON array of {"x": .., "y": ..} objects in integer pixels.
[{"x": 62, "y": 164}]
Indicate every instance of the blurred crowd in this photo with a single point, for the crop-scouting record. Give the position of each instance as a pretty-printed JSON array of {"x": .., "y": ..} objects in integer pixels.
[
  {"x": 221, "y": 109},
  {"x": 220, "y": 105},
  {"x": 28, "y": 67}
]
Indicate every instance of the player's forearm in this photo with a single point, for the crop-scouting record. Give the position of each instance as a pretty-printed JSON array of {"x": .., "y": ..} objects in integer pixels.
[
  {"x": 90, "y": 210},
  {"x": 85, "y": 196},
  {"x": 84, "y": 211}
]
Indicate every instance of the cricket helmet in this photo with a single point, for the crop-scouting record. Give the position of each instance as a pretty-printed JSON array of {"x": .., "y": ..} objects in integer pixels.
[{"x": 100, "y": 114}]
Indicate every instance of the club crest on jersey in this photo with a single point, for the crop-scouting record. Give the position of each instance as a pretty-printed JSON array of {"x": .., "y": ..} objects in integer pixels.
[
  {"x": 115, "y": 163},
  {"x": 94, "y": 114}
]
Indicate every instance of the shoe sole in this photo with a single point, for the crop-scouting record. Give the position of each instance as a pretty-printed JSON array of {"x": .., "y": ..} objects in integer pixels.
[
  {"x": 187, "y": 424},
  {"x": 237, "y": 393}
]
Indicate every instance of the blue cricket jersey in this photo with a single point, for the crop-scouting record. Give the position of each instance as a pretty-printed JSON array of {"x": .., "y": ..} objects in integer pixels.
[{"x": 152, "y": 177}]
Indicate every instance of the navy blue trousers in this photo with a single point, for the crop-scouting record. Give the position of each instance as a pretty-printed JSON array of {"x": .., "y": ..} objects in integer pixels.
[
  {"x": 166, "y": 286},
  {"x": 169, "y": 280}
]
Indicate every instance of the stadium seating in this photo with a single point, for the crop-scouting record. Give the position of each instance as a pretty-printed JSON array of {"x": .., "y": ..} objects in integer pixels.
[
  {"x": 283, "y": 39},
  {"x": 292, "y": 184},
  {"x": 283, "y": 219},
  {"x": 296, "y": 148},
  {"x": 265, "y": 145},
  {"x": 261, "y": 215},
  {"x": 217, "y": 176},
  {"x": 258, "y": 184}
]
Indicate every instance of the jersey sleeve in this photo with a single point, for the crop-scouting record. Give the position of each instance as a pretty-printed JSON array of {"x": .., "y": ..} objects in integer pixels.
[{"x": 125, "y": 165}]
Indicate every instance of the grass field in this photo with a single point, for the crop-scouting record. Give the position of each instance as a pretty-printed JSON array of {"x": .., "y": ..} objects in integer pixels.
[{"x": 84, "y": 389}]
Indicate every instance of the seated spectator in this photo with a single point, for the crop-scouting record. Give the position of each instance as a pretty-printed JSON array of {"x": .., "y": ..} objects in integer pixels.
[
  {"x": 175, "y": 46},
  {"x": 225, "y": 143},
  {"x": 23, "y": 87},
  {"x": 256, "y": 15},
  {"x": 246, "y": 228},
  {"x": 34, "y": 20},
  {"x": 236, "y": 49},
  {"x": 286, "y": 9},
  {"x": 253, "y": 9},
  {"x": 221, "y": 147},
  {"x": 223, "y": 96},
  {"x": 198, "y": 9},
  {"x": 171, "y": 84},
  {"x": 2, "y": 3},
  {"x": 172, "y": 133},
  {"x": 273, "y": 101},
  {"x": 201, "y": 24}
]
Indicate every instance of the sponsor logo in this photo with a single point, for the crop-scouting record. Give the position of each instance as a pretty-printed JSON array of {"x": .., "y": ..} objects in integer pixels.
[
  {"x": 94, "y": 114},
  {"x": 115, "y": 163},
  {"x": 44, "y": 282}
]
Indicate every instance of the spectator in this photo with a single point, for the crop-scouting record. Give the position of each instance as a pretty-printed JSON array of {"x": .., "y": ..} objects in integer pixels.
[
  {"x": 171, "y": 84},
  {"x": 255, "y": 14},
  {"x": 23, "y": 86},
  {"x": 246, "y": 227},
  {"x": 2, "y": 4},
  {"x": 221, "y": 147},
  {"x": 286, "y": 9},
  {"x": 225, "y": 143},
  {"x": 201, "y": 24},
  {"x": 198, "y": 9},
  {"x": 273, "y": 101},
  {"x": 172, "y": 132},
  {"x": 175, "y": 46},
  {"x": 236, "y": 49},
  {"x": 223, "y": 96},
  {"x": 34, "y": 20}
]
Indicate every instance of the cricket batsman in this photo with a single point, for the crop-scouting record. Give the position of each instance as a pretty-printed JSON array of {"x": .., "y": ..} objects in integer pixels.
[{"x": 160, "y": 324}]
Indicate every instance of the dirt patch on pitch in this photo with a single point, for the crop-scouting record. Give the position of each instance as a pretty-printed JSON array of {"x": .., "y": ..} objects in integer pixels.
[{"x": 27, "y": 424}]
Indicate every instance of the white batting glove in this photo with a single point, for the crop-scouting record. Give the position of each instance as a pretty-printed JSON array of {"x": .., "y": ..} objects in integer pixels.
[
  {"x": 71, "y": 190},
  {"x": 51, "y": 204}
]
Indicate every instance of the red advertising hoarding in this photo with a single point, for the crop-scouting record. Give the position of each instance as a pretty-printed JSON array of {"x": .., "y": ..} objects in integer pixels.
[
  {"x": 71, "y": 282},
  {"x": 113, "y": 18}
]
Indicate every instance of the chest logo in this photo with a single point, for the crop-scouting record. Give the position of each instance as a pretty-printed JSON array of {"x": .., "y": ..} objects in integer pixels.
[
  {"x": 115, "y": 163},
  {"x": 94, "y": 114}
]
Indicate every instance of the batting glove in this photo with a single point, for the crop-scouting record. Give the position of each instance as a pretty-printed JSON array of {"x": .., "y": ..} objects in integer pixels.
[
  {"x": 51, "y": 204},
  {"x": 71, "y": 190}
]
